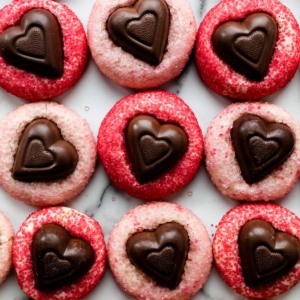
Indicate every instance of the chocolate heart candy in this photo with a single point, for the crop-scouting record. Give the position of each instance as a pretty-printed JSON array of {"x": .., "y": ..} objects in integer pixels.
[
  {"x": 58, "y": 258},
  {"x": 35, "y": 45},
  {"x": 260, "y": 146},
  {"x": 42, "y": 153},
  {"x": 161, "y": 253},
  {"x": 141, "y": 30},
  {"x": 247, "y": 46},
  {"x": 266, "y": 254},
  {"x": 153, "y": 148}
]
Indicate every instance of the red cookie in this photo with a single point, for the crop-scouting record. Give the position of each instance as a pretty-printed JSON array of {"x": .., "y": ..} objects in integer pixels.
[
  {"x": 150, "y": 144},
  {"x": 256, "y": 250},
  {"x": 35, "y": 64},
  {"x": 248, "y": 49},
  {"x": 59, "y": 253}
]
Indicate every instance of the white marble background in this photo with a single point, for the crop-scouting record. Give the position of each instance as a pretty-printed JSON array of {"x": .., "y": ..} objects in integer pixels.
[{"x": 92, "y": 98}]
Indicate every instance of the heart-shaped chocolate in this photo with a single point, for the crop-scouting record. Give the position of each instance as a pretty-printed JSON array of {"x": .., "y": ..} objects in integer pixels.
[
  {"x": 141, "y": 30},
  {"x": 35, "y": 45},
  {"x": 161, "y": 254},
  {"x": 260, "y": 146},
  {"x": 59, "y": 258},
  {"x": 153, "y": 148},
  {"x": 247, "y": 46},
  {"x": 43, "y": 154},
  {"x": 265, "y": 253}
]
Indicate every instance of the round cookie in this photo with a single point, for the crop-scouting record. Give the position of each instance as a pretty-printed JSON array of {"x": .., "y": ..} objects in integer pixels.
[
  {"x": 35, "y": 64},
  {"x": 7, "y": 235},
  {"x": 150, "y": 144},
  {"x": 167, "y": 242},
  {"x": 256, "y": 250},
  {"x": 141, "y": 44},
  {"x": 47, "y": 153},
  {"x": 248, "y": 49},
  {"x": 252, "y": 151},
  {"x": 59, "y": 253}
]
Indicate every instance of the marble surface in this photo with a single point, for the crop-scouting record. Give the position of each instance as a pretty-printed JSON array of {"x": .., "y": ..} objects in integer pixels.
[{"x": 92, "y": 98}]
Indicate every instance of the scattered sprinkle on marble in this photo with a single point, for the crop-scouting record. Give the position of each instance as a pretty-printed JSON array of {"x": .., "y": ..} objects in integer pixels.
[
  {"x": 190, "y": 193},
  {"x": 86, "y": 108}
]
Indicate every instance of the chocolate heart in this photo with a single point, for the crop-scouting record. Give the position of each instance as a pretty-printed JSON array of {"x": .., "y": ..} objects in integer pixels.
[
  {"x": 42, "y": 154},
  {"x": 265, "y": 253},
  {"x": 59, "y": 258},
  {"x": 141, "y": 30},
  {"x": 247, "y": 46},
  {"x": 35, "y": 45},
  {"x": 260, "y": 146},
  {"x": 161, "y": 254},
  {"x": 153, "y": 148}
]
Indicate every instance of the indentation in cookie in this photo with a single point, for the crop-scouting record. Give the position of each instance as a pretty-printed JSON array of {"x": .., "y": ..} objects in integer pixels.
[
  {"x": 153, "y": 148},
  {"x": 54, "y": 266},
  {"x": 163, "y": 261},
  {"x": 43, "y": 154},
  {"x": 267, "y": 260},
  {"x": 161, "y": 254},
  {"x": 59, "y": 258},
  {"x": 247, "y": 45},
  {"x": 262, "y": 150},
  {"x": 37, "y": 156},
  {"x": 260, "y": 146},
  {"x": 251, "y": 46},
  {"x": 35, "y": 45},
  {"x": 266, "y": 254},
  {"x": 141, "y": 30}
]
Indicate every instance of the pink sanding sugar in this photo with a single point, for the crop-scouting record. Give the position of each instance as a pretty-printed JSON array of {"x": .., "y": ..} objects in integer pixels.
[
  {"x": 221, "y": 78},
  {"x": 73, "y": 128},
  {"x": 122, "y": 67},
  {"x": 226, "y": 252},
  {"x": 167, "y": 108},
  {"x": 6, "y": 241},
  {"x": 148, "y": 217},
  {"x": 223, "y": 167},
  {"x": 79, "y": 226},
  {"x": 33, "y": 87}
]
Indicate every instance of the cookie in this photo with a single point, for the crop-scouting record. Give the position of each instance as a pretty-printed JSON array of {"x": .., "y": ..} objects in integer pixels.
[
  {"x": 43, "y": 49},
  {"x": 141, "y": 44},
  {"x": 150, "y": 144},
  {"x": 160, "y": 250},
  {"x": 256, "y": 250},
  {"x": 252, "y": 151},
  {"x": 248, "y": 50},
  {"x": 47, "y": 153},
  {"x": 7, "y": 235},
  {"x": 59, "y": 253}
]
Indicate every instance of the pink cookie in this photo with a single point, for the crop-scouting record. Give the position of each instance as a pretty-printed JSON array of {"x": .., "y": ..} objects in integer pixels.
[
  {"x": 167, "y": 242},
  {"x": 256, "y": 250},
  {"x": 59, "y": 253},
  {"x": 150, "y": 144},
  {"x": 150, "y": 48},
  {"x": 35, "y": 64},
  {"x": 252, "y": 151},
  {"x": 248, "y": 49},
  {"x": 47, "y": 153},
  {"x": 7, "y": 234}
]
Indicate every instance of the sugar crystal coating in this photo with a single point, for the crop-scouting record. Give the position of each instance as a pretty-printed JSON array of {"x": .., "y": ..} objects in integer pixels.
[
  {"x": 148, "y": 217},
  {"x": 226, "y": 250},
  {"x": 221, "y": 78}
]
